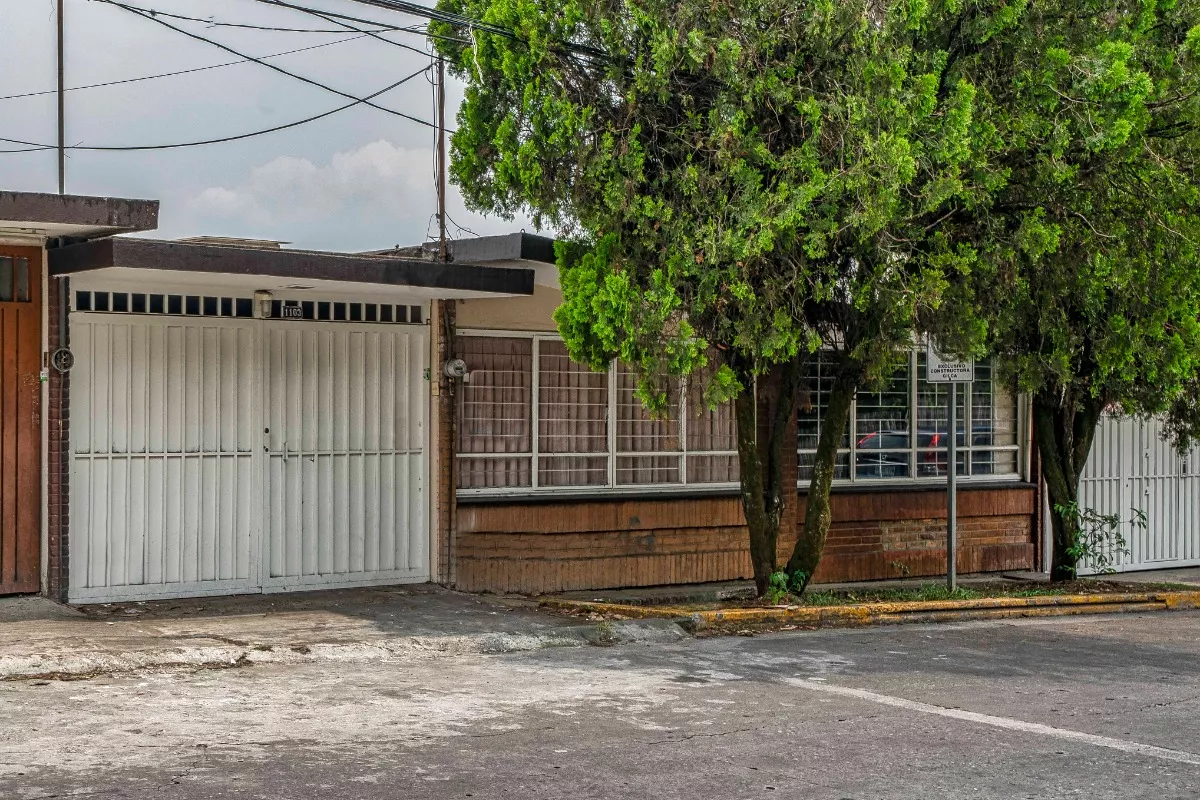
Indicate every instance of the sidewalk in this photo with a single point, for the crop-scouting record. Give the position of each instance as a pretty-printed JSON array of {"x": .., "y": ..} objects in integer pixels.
[
  {"x": 1187, "y": 576},
  {"x": 39, "y": 638}
]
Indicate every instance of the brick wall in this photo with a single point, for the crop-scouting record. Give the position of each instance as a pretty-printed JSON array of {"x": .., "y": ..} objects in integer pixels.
[
  {"x": 58, "y": 457},
  {"x": 903, "y": 533},
  {"x": 537, "y": 547},
  {"x": 447, "y": 435},
  {"x": 543, "y": 545}
]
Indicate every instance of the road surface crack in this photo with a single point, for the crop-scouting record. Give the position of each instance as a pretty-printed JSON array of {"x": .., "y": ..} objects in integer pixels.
[
  {"x": 1168, "y": 703},
  {"x": 688, "y": 736}
]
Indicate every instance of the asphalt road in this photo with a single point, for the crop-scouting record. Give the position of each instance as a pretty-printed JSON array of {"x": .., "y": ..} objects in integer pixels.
[{"x": 1099, "y": 707}]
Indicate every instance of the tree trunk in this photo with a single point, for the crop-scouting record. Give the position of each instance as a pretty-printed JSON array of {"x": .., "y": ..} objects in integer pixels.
[
  {"x": 1064, "y": 429},
  {"x": 817, "y": 514},
  {"x": 760, "y": 451}
]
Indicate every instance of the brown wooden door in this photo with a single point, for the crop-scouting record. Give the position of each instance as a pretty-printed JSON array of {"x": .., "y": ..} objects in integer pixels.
[{"x": 20, "y": 418}]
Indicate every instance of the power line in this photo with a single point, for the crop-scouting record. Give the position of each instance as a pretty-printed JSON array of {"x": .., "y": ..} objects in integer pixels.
[
  {"x": 333, "y": 18},
  {"x": 155, "y": 13},
  {"x": 182, "y": 71},
  {"x": 331, "y": 15},
  {"x": 247, "y": 26},
  {"x": 34, "y": 146},
  {"x": 269, "y": 66},
  {"x": 460, "y": 21}
]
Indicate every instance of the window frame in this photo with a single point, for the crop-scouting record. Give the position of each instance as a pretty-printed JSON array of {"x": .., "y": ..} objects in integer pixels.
[
  {"x": 966, "y": 450},
  {"x": 611, "y": 454}
]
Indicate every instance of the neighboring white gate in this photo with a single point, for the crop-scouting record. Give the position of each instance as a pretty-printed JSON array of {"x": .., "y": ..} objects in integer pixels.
[
  {"x": 220, "y": 456},
  {"x": 346, "y": 455},
  {"x": 1133, "y": 467}
]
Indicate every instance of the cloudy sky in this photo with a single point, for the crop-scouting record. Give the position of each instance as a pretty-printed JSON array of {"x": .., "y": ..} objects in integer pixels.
[{"x": 355, "y": 180}]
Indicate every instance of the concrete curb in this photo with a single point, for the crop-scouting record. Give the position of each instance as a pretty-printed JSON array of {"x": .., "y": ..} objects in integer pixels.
[
  {"x": 860, "y": 614},
  {"x": 82, "y": 665}
]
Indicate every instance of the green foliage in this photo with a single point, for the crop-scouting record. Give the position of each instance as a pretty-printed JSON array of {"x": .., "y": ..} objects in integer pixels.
[
  {"x": 926, "y": 592},
  {"x": 1183, "y": 418},
  {"x": 739, "y": 183},
  {"x": 1098, "y": 537},
  {"x": 1083, "y": 265},
  {"x": 777, "y": 588},
  {"x": 782, "y": 587},
  {"x": 1081, "y": 271},
  {"x": 744, "y": 179},
  {"x": 932, "y": 592}
]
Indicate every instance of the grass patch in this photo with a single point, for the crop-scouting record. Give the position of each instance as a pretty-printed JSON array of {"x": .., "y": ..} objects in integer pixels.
[{"x": 930, "y": 592}]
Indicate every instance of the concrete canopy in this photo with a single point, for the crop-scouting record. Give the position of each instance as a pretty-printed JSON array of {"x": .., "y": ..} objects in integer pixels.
[
  {"x": 35, "y": 215},
  {"x": 520, "y": 249},
  {"x": 125, "y": 259}
]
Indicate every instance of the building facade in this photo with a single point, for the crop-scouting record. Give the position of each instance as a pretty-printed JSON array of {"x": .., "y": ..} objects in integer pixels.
[
  {"x": 198, "y": 417},
  {"x": 562, "y": 481}
]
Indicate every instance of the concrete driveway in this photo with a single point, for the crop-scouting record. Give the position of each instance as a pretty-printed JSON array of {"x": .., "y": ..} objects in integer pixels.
[{"x": 1099, "y": 707}]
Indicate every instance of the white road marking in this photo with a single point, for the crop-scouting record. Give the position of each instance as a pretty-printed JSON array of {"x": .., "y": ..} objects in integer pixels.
[{"x": 1007, "y": 723}]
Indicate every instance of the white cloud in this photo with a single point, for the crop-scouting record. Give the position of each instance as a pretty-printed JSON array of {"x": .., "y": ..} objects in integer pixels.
[
  {"x": 378, "y": 195},
  {"x": 377, "y": 181}
]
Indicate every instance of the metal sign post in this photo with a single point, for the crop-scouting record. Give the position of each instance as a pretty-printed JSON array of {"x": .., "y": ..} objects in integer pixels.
[
  {"x": 952, "y": 494},
  {"x": 939, "y": 369}
]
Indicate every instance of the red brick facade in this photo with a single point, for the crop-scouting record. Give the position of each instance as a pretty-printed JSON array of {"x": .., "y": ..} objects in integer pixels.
[
  {"x": 535, "y": 545},
  {"x": 447, "y": 434},
  {"x": 58, "y": 457},
  {"x": 538, "y": 547}
]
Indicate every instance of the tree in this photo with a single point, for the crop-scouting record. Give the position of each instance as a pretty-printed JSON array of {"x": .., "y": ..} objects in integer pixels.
[
  {"x": 1083, "y": 268},
  {"x": 741, "y": 182}
]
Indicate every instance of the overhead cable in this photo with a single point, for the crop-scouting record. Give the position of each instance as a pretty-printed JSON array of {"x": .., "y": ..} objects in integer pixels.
[
  {"x": 182, "y": 71},
  {"x": 34, "y": 146},
  {"x": 268, "y": 65},
  {"x": 331, "y": 15},
  {"x": 332, "y": 18},
  {"x": 213, "y": 23},
  {"x": 458, "y": 20}
]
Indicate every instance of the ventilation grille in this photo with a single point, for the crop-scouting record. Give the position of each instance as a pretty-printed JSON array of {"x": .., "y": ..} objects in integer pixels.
[{"x": 193, "y": 305}]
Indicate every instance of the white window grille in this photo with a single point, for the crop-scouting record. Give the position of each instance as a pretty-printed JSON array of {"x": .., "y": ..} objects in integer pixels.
[
  {"x": 592, "y": 431},
  {"x": 888, "y": 445}
]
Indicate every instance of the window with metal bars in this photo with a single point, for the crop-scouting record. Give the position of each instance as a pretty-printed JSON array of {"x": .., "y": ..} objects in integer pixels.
[
  {"x": 900, "y": 429},
  {"x": 532, "y": 420}
]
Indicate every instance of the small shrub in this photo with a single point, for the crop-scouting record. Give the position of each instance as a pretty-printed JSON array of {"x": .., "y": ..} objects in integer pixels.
[
  {"x": 1099, "y": 540},
  {"x": 777, "y": 588}
]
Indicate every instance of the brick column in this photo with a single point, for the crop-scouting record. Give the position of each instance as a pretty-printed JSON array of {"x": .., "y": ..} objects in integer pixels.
[
  {"x": 58, "y": 456},
  {"x": 447, "y": 433}
]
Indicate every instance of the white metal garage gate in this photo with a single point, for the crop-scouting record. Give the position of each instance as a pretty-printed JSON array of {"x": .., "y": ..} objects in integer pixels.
[
  {"x": 1133, "y": 467},
  {"x": 218, "y": 455}
]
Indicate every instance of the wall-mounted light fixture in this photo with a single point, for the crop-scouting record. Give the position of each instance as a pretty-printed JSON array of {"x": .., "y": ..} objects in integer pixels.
[{"x": 262, "y": 304}]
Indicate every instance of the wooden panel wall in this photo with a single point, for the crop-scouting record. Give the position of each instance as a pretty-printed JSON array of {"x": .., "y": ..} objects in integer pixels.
[
  {"x": 591, "y": 544},
  {"x": 20, "y": 424}
]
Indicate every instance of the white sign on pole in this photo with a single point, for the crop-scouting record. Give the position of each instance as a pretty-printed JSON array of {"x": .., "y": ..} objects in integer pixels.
[{"x": 939, "y": 369}]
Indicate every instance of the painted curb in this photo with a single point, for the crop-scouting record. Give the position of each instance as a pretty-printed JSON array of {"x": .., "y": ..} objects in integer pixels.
[{"x": 860, "y": 614}]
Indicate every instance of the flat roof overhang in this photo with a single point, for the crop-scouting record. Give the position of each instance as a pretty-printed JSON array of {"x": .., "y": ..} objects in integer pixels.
[
  {"x": 521, "y": 250},
  {"x": 48, "y": 216},
  {"x": 123, "y": 259}
]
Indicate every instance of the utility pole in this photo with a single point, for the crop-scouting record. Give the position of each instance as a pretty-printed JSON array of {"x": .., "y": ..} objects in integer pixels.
[
  {"x": 62, "y": 106},
  {"x": 441, "y": 156}
]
